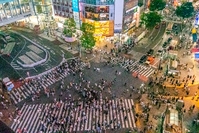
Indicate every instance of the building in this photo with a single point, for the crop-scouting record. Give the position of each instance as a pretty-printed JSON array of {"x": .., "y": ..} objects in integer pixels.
[
  {"x": 107, "y": 16},
  {"x": 14, "y": 10},
  {"x": 62, "y": 8},
  {"x": 100, "y": 14},
  {"x": 131, "y": 14}
]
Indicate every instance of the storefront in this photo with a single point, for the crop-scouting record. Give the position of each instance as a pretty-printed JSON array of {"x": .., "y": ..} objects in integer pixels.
[
  {"x": 130, "y": 14},
  {"x": 102, "y": 28},
  {"x": 101, "y": 17}
]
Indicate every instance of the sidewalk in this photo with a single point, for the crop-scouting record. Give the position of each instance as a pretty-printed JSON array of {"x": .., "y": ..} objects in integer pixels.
[{"x": 168, "y": 85}]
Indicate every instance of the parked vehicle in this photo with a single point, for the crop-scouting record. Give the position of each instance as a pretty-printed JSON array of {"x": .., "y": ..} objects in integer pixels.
[
  {"x": 150, "y": 52},
  {"x": 143, "y": 59},
  {"x": 157, "y": 26},
  {"x": 165, "y": 44},
  {"x": 169, "y": 39}
]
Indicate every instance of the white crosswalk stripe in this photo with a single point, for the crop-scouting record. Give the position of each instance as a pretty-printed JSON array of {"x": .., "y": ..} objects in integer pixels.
[
  {"x": 29, "y": 88},
  {"x": 55, "y": 117},
  {"x": 133, "y": 66}
]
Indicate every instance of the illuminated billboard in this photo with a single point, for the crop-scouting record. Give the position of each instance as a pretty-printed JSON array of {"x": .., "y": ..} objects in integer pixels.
[
  {"x": 104, "y": 28},
  {"x": 75, "y": 4},
  {"x": 197, "y": 19},
  {"x": 196, "y": 55},
  {"x": 130, "y": 18},
  {"x": 5, "y": 1},
  {"x": 98, "y": 13}
]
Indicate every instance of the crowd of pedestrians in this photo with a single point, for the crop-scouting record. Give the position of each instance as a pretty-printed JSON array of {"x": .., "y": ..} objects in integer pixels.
[{"x": 89, "y": 92}]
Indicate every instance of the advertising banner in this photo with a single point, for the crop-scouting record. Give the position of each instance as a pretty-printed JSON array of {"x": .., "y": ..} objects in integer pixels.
[
  {"x": 196, "y": 55},
  {"x": 119, "y": 4},
  {"x": 75, "y": 4},
  {"x": 197, "y": 19},
  {"x": 77, "y": 19},
  {"x": 194, "y": 36},
  {"x": 5, "y": 1},
  {"x": 111, "y": 12}
]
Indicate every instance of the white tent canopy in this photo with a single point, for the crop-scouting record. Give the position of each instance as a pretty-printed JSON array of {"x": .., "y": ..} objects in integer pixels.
[{"x": 173, "y": 117}]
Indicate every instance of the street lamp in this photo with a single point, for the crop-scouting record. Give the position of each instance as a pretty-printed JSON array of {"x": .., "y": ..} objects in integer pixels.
[
  {"x": 80, "y": 49},
  {"x": 159, "y": 66},
  {"x": 79, "y": 44}
]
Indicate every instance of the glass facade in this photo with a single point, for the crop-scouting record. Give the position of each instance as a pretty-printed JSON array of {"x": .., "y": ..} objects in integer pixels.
[
  {"x": 14, "y": 9},
  {"x": 130, "y": 14},
  {"x": 98, "y": 2},
  {"x": 63, "y": 8},
  {"x": 100, "y": 14}
]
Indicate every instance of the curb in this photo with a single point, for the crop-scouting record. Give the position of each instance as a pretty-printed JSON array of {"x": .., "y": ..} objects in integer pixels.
[{"x": 182, "y": 86}]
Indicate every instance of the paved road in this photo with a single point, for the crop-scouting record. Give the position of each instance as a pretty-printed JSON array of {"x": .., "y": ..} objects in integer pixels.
[
  {"x": 151, "y": 40},
  {"x": 107, "y": 72},
  {"x": 84, "y": 117}
]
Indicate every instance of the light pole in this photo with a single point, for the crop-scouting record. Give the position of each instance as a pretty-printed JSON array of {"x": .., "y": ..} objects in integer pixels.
[
  {"x": 80, "y": 50},
  {"x": 79, "y": 44},
  {"x": 159, "y": 66}
]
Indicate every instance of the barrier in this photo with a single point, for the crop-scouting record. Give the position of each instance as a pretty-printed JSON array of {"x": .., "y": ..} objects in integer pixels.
[
  {"x": 46, "y": 72},
  {"x": 141, "y": 77}
]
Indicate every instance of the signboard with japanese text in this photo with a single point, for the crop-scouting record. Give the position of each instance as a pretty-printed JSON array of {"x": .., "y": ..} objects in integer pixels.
[{"x": 77, "y": 19}]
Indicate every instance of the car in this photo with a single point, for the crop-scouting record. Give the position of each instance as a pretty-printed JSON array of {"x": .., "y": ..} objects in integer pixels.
[
  {"x": 175, "y": 27},
  {"x": 163, "y": 23},
  {"x": 165, "y": 44},
  {"x": 150, "y": 52},
  {"x": 169, "y": 39},
  {"x": 157, "y": 26},
  {"x": 159, "y": 52},
  {"x": 143, "y": 59}
]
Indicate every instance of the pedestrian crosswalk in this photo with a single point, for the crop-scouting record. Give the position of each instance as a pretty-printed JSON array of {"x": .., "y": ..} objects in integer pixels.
[
  {"x": 134, "y": 67},
  {"x": 30, "y": 88},
  {"x": 75, "y": 117}
]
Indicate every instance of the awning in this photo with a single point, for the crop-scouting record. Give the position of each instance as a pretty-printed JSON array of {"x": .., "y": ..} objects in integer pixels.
[
  {"x": 196, "y": 55},
  {"x": 174, "y": 64},
  {"x": 174, "y": 117},
  {"x": 10, "y": 87},
  {"x": 173, "y": 71},
  {"x": 173, "y": 52},
  {"x": 5, "y": 80},
  {"x": 169, "y": 27},
  {"x": 193, "y": 30},
  {"x": 194, "y": 50},
  {"x": 174, "y": 43}
]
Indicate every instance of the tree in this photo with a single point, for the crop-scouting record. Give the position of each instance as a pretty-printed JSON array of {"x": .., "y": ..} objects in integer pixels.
[
  {"x": 69, "y": 27},
  {"x": 39, "y": 9},
  {"x": 25, "y": 1},
  {"x": 186, "y": 10},
  {"x": 150, "y": 19},
  {"x": 85, "y": 27},
  {"x": 157, "y": 5},
  {"x": 87, "y": 39},
  {"x": 140, "y": 3}
]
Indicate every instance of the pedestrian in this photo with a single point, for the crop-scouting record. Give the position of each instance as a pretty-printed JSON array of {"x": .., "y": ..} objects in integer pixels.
[{"x": 125, "y": 84}]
